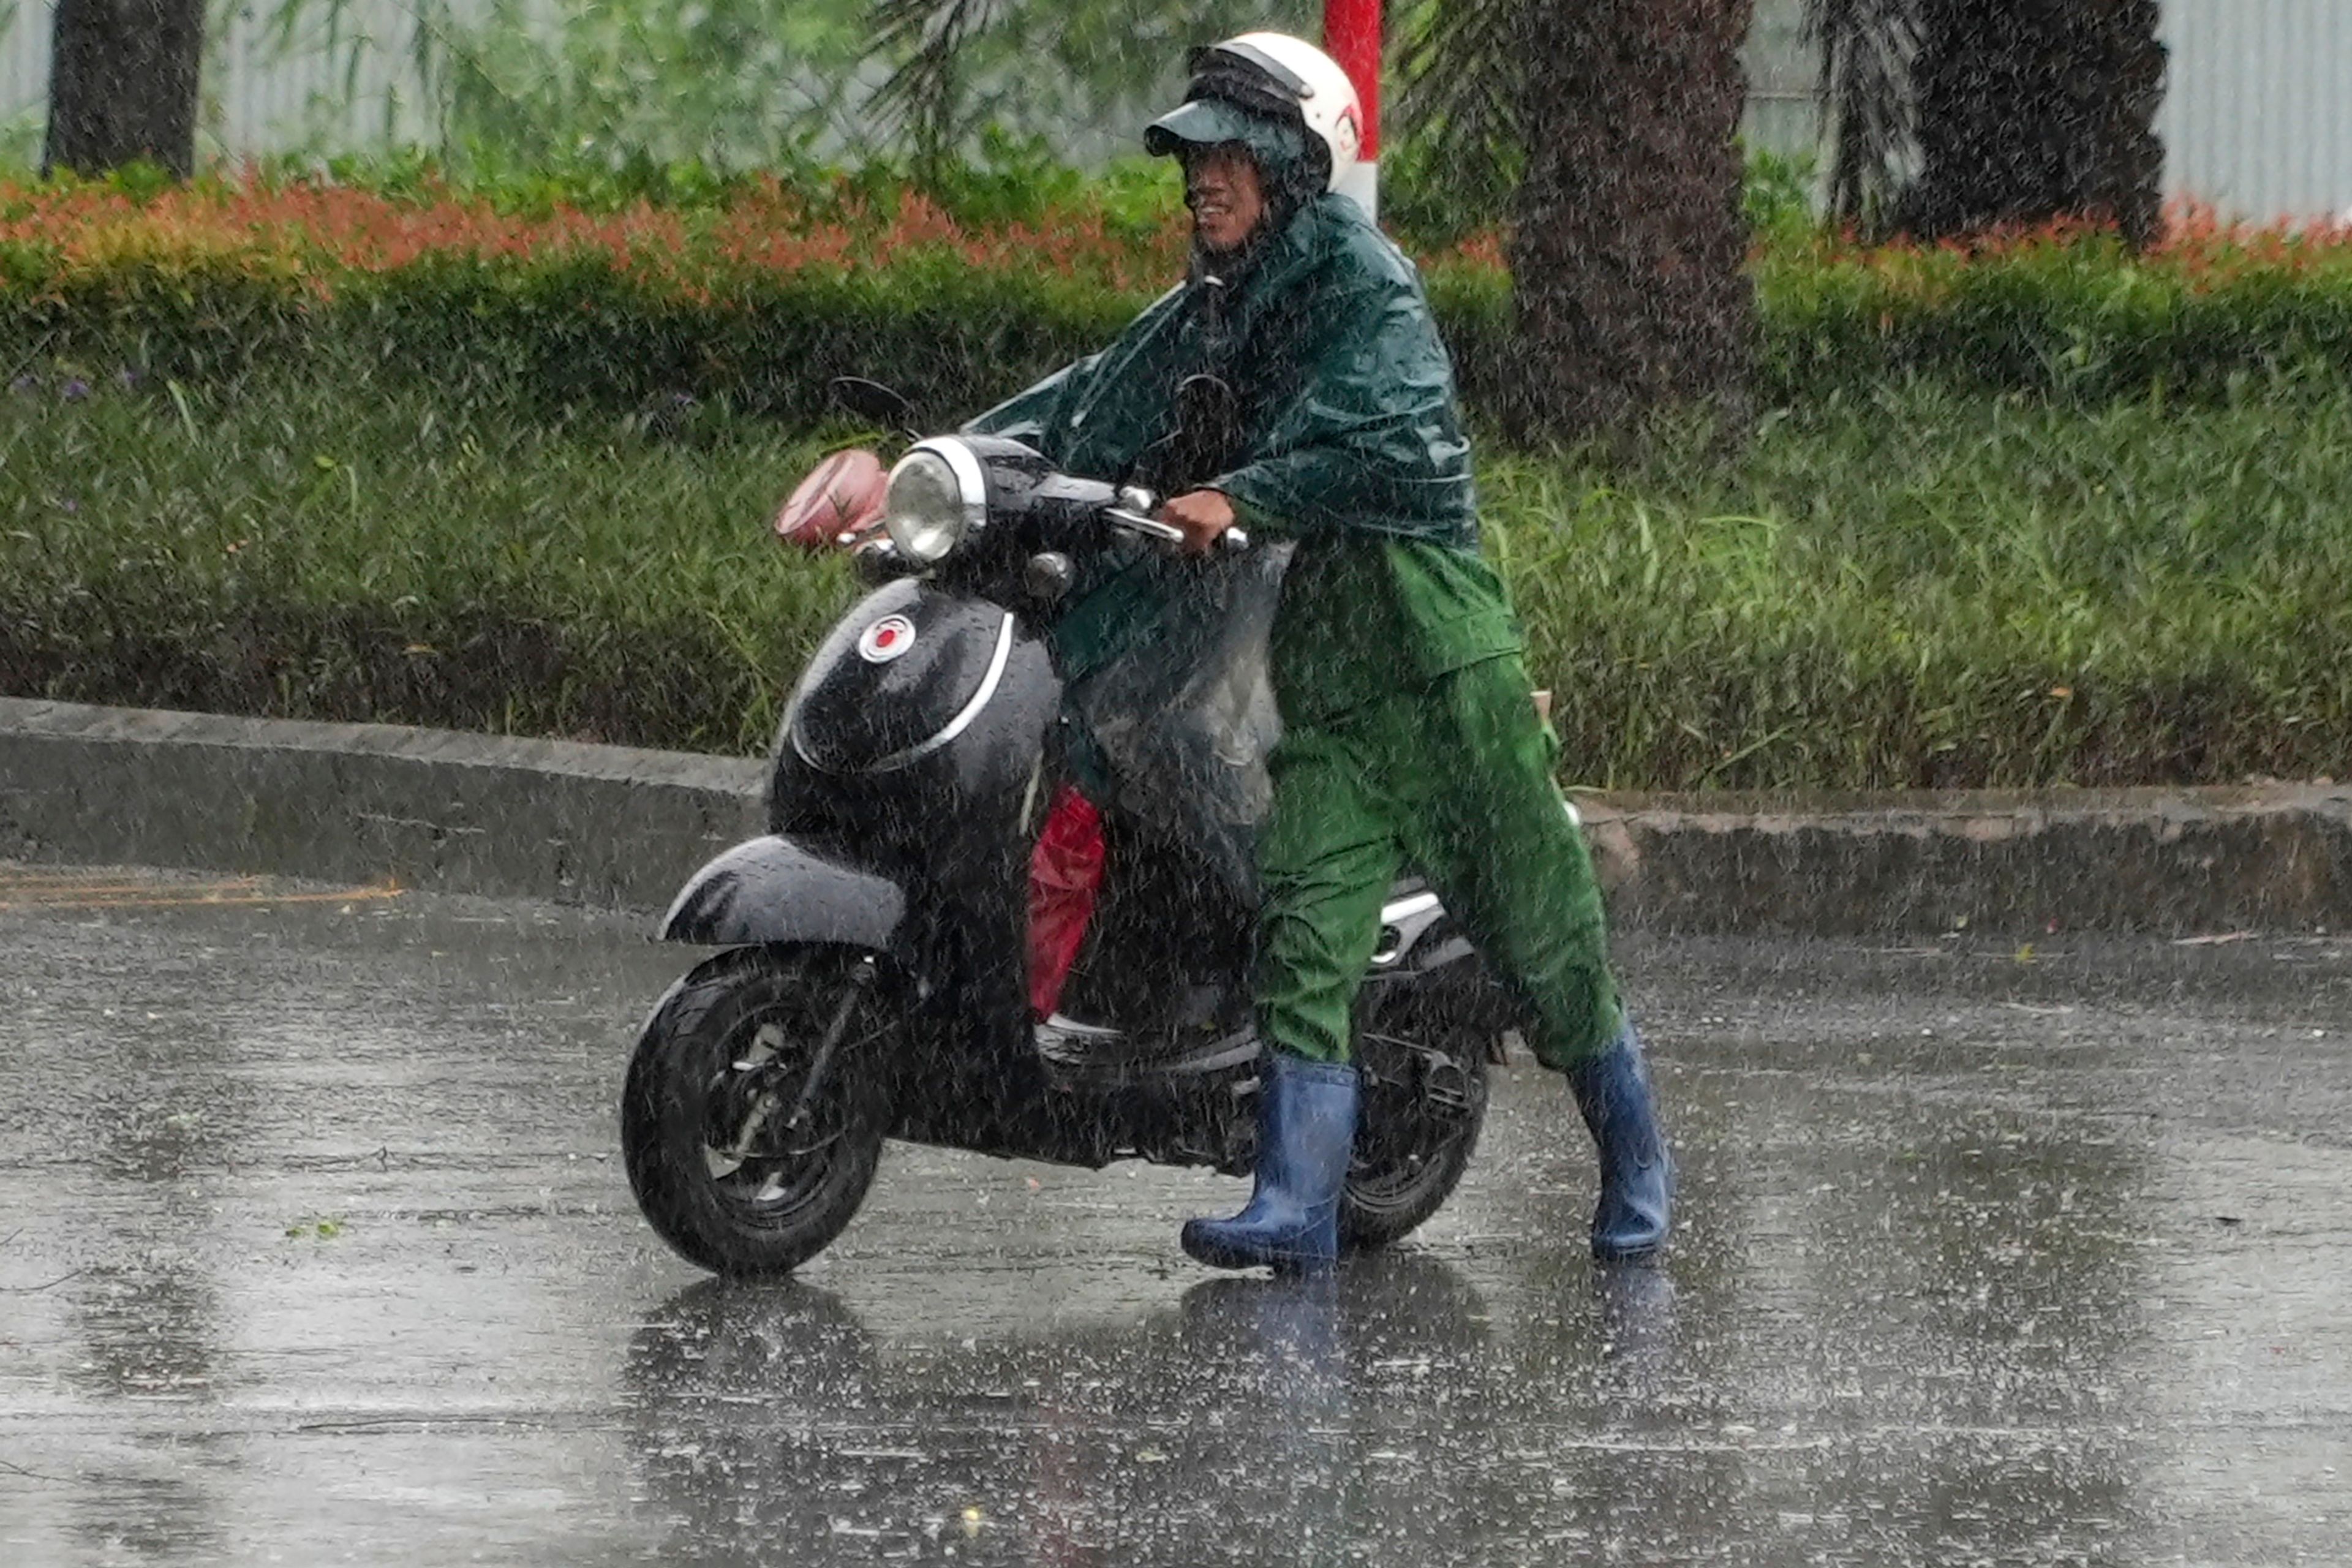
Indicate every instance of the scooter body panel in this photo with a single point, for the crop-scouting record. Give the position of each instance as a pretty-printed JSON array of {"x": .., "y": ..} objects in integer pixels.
[
  {"x": 942, "y": 806},
  {"x": 904, "y": 675}
]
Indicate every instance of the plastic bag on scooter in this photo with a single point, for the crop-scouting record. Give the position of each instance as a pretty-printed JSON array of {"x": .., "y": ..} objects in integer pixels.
[{"x": 1186, "y": 718}]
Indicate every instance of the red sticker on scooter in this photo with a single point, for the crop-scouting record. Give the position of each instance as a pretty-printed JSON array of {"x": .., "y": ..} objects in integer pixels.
[{"x": 886, "y": 640}]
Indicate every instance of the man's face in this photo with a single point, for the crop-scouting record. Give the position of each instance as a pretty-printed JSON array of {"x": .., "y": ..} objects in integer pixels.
[{"x": 1222, "y": 188}]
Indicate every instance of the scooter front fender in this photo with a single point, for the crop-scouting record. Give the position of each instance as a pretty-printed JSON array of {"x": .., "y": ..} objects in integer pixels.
[{"x": 772, "y": 889}]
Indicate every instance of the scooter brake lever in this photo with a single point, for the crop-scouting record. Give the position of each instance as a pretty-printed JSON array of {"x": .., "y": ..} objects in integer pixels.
[
  {"x": 1147, "y": 527},
  {"x": 1228, "y": 543}
]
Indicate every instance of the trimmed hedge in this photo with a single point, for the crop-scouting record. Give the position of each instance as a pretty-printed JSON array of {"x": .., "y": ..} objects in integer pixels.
[
  {"x": 2063, "y": 312},
  {"x": 755, "y": 303}
]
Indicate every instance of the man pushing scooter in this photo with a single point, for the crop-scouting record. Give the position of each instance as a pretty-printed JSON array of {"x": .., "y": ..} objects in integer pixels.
[{"x": 1410, "y": 732}]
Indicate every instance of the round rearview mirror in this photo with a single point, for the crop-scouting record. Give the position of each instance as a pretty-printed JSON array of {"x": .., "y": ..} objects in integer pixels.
[
  {"x": 872, "y": 400},
  {"x": 840, "y": 498}
]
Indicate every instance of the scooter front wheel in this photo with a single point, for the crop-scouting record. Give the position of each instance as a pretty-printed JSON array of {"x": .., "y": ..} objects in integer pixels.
[{"x": 753, "y": 1115}]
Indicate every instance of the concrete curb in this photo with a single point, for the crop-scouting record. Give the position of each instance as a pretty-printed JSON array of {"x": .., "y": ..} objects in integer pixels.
[
  {"x": 616, "y": 827},
  {"x": 428, "y": 808},
  {"x": 2177, "y": 861}
]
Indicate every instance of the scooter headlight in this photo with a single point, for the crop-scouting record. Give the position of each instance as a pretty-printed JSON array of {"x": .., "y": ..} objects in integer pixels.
[{"x": 936, "y": 497}]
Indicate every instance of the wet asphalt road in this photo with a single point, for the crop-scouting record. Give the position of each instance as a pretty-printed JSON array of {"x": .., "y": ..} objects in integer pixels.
[{"x": 315, "y": 1248}]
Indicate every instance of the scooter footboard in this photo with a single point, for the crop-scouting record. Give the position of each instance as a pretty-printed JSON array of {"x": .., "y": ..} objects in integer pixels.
[{"x": 772, "y": 889}]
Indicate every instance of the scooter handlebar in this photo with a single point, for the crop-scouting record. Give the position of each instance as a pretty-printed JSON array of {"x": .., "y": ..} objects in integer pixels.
[{"x": 1231, "y": 541}]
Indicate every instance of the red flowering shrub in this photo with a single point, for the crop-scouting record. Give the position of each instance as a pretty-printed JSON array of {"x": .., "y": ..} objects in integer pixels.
[
  {"x": 329, "y": 232},
  {"x": 760, "y": 297}
]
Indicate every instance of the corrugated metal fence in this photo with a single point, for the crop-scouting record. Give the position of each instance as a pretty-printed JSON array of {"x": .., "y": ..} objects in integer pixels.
[
  {"x": 324, "y": 94},
  {"x": 2257, "y": 118},
  {"x": 1783, "y": 115},
  {"x": 24, "y": 74},
  {"x": 321, "y": 93}
]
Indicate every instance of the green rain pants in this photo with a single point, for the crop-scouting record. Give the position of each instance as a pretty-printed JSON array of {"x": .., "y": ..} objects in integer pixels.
[{"x": 1454, "y": 779}]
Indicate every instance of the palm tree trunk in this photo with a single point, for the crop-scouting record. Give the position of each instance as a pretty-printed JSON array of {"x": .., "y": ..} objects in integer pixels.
[
  {"x": 2127, "y": 176},
  {"x": 2033, "y": 109},
  {"x": 1628, "y": 247},
  {"x": 122, "y": 84}
]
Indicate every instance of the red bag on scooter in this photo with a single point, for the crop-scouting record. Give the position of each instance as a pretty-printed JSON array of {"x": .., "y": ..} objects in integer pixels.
[{"x": 1066, "y": 876}]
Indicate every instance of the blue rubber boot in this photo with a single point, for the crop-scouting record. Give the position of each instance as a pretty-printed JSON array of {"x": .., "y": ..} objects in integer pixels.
[
  {"x": 1637, "y": 1176},
  {"x": 1305, "y": 1131}
]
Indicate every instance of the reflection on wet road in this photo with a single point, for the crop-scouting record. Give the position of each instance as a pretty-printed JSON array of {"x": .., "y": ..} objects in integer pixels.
[{"x": 313, "y": 1247}]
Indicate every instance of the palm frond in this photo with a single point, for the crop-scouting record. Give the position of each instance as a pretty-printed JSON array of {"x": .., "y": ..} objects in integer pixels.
[
  {"x": 931, "y": 39},
  {"x": 1464, "y": 79},
  {"x": 1867, "y": 105}
]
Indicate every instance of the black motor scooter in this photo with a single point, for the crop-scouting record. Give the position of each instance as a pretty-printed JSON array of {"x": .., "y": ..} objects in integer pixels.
[{"x": 872, "y": 979}]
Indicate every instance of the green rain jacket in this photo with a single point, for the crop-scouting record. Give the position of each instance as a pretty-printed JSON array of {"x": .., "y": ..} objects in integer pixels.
[{"x": 1351, "y": 446}]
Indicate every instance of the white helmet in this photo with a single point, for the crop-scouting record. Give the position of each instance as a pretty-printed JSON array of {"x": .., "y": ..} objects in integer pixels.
[{"x": 1275, "y": 75}]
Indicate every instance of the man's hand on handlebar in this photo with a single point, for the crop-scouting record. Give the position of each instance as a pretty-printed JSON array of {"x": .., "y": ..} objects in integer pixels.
[{"x": 1203, "y": 515}]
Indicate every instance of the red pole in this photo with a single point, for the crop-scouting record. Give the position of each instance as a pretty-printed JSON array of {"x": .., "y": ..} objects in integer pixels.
[{"x": 1352, "y": 36}]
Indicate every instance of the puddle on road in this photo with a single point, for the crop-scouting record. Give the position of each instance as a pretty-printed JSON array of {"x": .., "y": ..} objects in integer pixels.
[{"x": 27, "y": 887}]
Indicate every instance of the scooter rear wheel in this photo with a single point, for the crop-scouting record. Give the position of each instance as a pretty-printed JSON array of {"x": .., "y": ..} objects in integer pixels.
[
  {"x": 1424, "y": 1103},
  {"x": 722, "y": 1168}
]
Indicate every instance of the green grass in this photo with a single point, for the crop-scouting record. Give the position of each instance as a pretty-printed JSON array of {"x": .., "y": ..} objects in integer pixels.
[
  {"x": 1934, "y": 590},
  {"x": 362, "y": 551},
  {"x": 1929, "y": 588}
]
